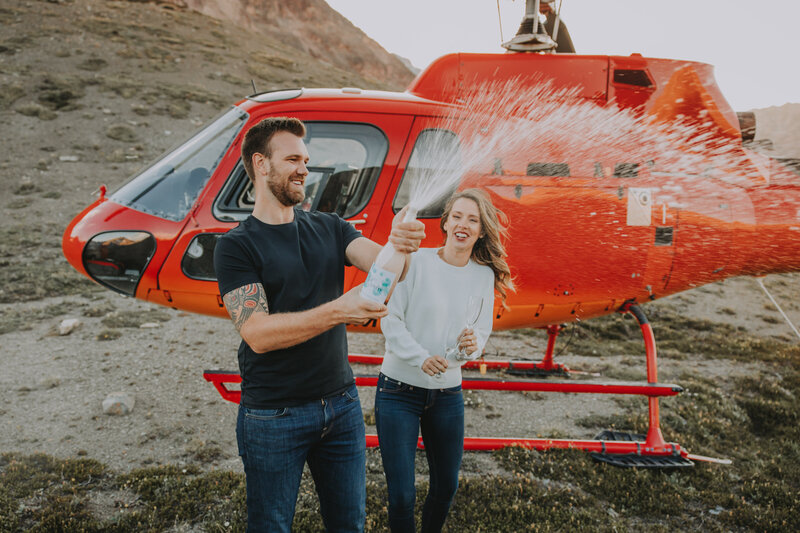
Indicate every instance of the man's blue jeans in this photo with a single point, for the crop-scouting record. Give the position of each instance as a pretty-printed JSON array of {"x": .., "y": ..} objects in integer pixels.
[
  {"x": 400, "y": 411},
  {"x": 274, "y": 445}
]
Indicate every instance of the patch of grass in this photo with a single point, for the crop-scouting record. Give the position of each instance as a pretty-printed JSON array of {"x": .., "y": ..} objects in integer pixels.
[
  {"x": 93, "y": 64},
  {"x": 36, "y": 110},
  {"x": 228, "y": 78},
  {"x": 607, "y": 335},
  {"x": 174, "y": 495},
  {"x": 134, "y": 319},
  {"x": 559, "y": 490},
  {"x": 627, "y": 491},
  {"x": 64, "y": 513},
  {"x": 770, "y": 406},
  {"x": 19, "y": 203},
  {"x": 121, "y": 132},
  {"x": 769, "y": 319},
  {"x": 752, "y": 420},
  {"x": 9, "y": 521},
  {"x": 100, "y": 309},
  {"x": 23, "y": 475},
  {"x": 24, "y": 320},
  {"x": 280, "y": 62},
  {"x": 204, "y": 451},
  {"x": 61, "y": 93},
  {"x": 624, "y": 373},
  {"x": 109, "y": 335},
  {"x": 677, "y": 336},
  {"x": 24, "y": 245},
  {"x": 521, "y": 503},
  {"x": 178, "y": 108},
  {"x": 10, "y": 92}
]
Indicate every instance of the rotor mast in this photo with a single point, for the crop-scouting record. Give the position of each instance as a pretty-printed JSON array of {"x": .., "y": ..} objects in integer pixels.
[{"x": 531, "y": 36}]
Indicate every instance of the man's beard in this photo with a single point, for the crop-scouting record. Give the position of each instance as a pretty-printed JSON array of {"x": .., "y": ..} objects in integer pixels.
[{"x": 280, "y": 189}]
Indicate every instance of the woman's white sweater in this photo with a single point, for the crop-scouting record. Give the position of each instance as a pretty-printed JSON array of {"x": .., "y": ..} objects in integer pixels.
[{"x": 428, "y": 312}]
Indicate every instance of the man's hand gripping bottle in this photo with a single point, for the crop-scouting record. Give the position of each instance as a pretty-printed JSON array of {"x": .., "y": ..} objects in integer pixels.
[{"x": 386, "y": 269}]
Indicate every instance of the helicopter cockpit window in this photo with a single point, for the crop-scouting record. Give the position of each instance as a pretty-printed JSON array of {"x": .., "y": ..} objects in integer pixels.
[
  {"x": 169, "y": 188},
  {"x": 345, "y": 161},
  {"x": 433, "y": 171}
]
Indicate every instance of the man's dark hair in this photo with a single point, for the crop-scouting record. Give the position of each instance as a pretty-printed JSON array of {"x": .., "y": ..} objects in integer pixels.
[{"x": 257, "y": 138}]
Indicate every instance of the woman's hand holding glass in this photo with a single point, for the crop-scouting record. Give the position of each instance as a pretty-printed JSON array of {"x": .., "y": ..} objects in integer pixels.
[
  {"x": 467, "y": 344},
  {"x": 467, "y": 340}
]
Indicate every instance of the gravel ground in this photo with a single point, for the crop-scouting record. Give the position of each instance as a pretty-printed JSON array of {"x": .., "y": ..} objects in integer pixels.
[{"x": 52, "y": 387}]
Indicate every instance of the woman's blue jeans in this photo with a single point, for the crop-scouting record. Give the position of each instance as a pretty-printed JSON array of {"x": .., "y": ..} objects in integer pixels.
[
  {"x": 400, "y": 411},
  {"x": 276, "y": 443}
]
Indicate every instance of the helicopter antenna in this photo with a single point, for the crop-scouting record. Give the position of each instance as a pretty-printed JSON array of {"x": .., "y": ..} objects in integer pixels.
[
  {"x": 778, "y": 307},
  {"x": 500, "y": 21},
  {"x": 254, "y": 85}
]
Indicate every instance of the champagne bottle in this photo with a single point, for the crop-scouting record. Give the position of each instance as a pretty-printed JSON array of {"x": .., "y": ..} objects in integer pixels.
[{"x": 386, "y": 269}]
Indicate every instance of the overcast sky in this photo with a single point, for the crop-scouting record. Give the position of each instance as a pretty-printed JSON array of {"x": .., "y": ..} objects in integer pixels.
[{"x": 754, "y": 44}]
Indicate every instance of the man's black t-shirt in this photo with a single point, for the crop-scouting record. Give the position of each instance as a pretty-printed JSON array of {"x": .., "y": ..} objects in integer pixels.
[{"x": 301, "y": 266}]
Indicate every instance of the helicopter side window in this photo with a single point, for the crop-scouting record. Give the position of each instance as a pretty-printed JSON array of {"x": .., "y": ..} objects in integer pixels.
[
  {"x": 433, "y": 171},
  {"x": 169, "y": 188},
  {"x": 548, "y": 169},
  {"x": 626, "y": 170},
  {"x": 345, "y": 161}
]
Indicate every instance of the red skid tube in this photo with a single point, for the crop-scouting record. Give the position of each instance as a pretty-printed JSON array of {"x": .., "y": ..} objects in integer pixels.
[
  {"x": 654, "y": 444},
  {"x": 599, "y": 446},
  {"x": 220, "y": 377},
  {"x": 491, "y": 364}
]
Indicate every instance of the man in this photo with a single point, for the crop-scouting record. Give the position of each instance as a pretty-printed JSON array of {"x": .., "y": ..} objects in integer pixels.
[{"x": 281, "y": 276}]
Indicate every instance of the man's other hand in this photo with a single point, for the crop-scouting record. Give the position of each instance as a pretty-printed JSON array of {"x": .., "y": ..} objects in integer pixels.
[
  {"x": 354, "y": 309},
  {"x": 406, "y": 236}
]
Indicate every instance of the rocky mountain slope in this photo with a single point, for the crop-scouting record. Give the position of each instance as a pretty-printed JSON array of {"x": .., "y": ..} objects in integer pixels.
[
  {"x": 92, "y": 90},
  {"x": 781, "y": 126},
  {"x": 312, "y": 27}
]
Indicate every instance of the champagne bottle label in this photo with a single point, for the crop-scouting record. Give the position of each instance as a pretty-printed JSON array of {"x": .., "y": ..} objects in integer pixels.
[{"x": 378, "y": 284}]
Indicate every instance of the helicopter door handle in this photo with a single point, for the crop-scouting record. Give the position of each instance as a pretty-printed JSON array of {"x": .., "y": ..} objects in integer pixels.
[{"x": 357, "y": 222}]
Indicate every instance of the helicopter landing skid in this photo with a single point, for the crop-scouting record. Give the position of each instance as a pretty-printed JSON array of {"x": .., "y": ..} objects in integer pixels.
[
  {"x": 621, "y": 449},
  {"x": 539, "y": 370},
  {"x": 637, "y": 460}
]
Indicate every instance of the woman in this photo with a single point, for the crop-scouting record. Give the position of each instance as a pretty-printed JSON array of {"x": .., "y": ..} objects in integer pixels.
[{"x": 418, "y": 386}]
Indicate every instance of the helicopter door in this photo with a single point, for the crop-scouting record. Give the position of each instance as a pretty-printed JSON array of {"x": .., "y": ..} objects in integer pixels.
[{"x": 426, "y": 166}]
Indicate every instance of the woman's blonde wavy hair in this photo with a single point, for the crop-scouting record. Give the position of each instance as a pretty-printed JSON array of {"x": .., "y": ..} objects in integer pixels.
[{"x": 489, "y": 249}]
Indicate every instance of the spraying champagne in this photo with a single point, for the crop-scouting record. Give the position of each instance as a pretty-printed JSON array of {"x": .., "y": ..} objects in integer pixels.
[{"x": 386, "y": 269}]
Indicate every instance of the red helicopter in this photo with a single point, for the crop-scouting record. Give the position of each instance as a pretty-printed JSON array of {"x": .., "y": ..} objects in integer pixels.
[{"x": 594, "y": 230}]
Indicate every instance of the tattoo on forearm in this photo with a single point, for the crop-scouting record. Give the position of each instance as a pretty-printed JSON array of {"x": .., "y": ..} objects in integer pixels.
[{"x": 244, "y": 302}]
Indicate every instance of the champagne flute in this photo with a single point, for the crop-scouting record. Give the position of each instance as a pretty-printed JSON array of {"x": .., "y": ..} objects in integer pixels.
[
  {"x": 474, "y": 308},
  {"x": 473, "y": 312}
]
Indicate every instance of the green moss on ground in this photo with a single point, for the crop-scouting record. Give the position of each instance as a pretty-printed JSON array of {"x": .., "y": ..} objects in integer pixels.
[
  {"x": 677, "y": 336},
  {"x": 32, "y": 266},
  {"x": 752, "y": 420}
]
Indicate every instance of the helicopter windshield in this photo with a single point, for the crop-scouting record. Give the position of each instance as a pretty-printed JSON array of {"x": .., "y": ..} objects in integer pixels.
[{"x": 168, "y": 188}]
